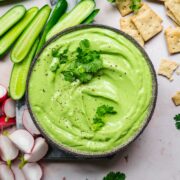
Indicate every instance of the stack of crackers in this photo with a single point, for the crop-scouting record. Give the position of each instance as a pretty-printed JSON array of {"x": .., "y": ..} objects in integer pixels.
[{"x": 143, "y": 25}]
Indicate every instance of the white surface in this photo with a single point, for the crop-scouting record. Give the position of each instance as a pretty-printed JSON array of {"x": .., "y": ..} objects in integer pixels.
[{"x": 155, "y": 155}]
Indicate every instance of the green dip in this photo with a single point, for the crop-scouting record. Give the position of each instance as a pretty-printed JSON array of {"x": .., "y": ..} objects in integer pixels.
[{"x": 65, "y": 110}]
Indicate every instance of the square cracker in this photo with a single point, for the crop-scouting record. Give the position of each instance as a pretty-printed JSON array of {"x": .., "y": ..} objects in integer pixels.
[
  {"x": 128, "y": 27},
  {"x": 171, "y": 15},
  {"x": 167, "y": 68},
  {"x": 174, "y": 7},
  {"x": 147, "y": 22},
  {"x": 173, "y": 39},
  {"x": 176, "y": 98},
  {"x": 124, "y": 6}
]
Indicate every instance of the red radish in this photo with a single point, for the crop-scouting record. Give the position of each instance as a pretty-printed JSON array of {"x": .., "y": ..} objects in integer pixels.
[
  {"x": 8, "y": 150},
  {"x": 6, "y": 173},
  {"x": 3, "y": 93},
  {"x": 9, "y": 108},
  {"x": 4, "y": 122},
  {"x": 32, "y": 171},
  {"x": 23, "y": 140},
  {"x": 29, "y": 124},
  {"x": 39, "y": 150},
  {"x": 16, "y": 171}
]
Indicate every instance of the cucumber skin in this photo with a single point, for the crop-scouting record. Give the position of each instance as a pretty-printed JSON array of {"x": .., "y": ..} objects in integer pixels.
[
  {"x": 25, "y": 44},
  {"x": 16, "y": 31},
  {"x": 58, "y": 11},
  {"x": 15, "y": 20},
  {"x": 91, "y": 17},
  {"x": 19, "y": 75},
  {"x": 60, "y": 26}
]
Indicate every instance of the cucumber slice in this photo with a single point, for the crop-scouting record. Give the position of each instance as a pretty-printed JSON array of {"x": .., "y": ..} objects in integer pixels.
[
  {"x": 9, "y": 38},
  {"x": 27, "y": 39},
  {"x": 10, "y": 18},
  {"x": 19, "y": 74},
  {"x": 76, "y": 16}
]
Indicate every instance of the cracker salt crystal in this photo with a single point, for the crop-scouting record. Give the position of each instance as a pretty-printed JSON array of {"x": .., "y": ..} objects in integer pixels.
[
  {"x": 147, "y": 22},
  {"x": 176, "y": 98},
  {"x": 124, "y": 6},
  {"x": 128, "y": 27},
  {"x": 173, "y": 39},
  {"x": 167, "y": 68}
]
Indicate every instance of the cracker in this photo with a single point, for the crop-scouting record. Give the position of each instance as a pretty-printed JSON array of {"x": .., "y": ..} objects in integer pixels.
[
  {"x": 147, "y": 22},
  {"x": 167, "y": 68},
  {"x": 174, "y": 7},
  {"x": 128, "y": 27},
  {"x": 171, "y": 15},
  {"x": 176, "y": 98},
  {"x": 124, "y": 6},
  {"x": 173, "y": 39}
]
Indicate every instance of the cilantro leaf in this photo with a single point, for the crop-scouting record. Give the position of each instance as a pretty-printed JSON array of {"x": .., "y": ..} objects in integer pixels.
[
  {"x": 100, "y": 113},
  {"x": 86, "y": 64},
  {"x": 177, "y": 119},
  {"x": 115, "y": 176},
  {"x": 105, "y": 109},
  {"x": 135, "y": 5}
]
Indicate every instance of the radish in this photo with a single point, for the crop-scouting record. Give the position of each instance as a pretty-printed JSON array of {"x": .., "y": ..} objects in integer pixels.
[
  {"x": 39, "y": 151},
  {"x": 6, "y": 173},
  {"x": 32, "y": 171},
  {"x": 8, "y": 150},
  {"x": 23, "y": 140},
  {"x": 29, "y": 124},
  {"x": 3, "y": 93},
  {"x": 17, "y": 172},
  {"x": 4, "y": 122},
  {"x": 9, "y": 108}
]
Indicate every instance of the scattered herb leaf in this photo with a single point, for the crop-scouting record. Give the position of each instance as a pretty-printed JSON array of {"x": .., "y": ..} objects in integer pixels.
[
  {"x": 86, "y": 64},
  {"x": 177, "y": 119},
  {"x": 100, "y": 113},
  {"x": 115, "y": 176}
]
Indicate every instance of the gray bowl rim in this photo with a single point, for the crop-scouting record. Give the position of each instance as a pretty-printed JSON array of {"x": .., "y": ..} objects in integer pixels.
[{"x": 151, "y": 107}]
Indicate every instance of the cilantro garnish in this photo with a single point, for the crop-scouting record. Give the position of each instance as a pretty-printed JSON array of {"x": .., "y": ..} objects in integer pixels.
[
  {"x": 115, "y": 176},
  {"x": 86, "y": 64},
  {"x": 100, "y": 113},
  {"x": 177, "y": 119},
  {"x": 135, "y": 4}
]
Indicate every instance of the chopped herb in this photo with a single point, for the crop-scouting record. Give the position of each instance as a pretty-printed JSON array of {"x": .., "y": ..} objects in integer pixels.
[
  {"x": 105, "y": 109},
  {"x": 177, "y": 119},
  {"x": 100, "y": 113},
  {"x": 135, "y": 4},
  {"x": 115, "y": 176},
  {"x": 86, "y": 64},
  {"x": 54, "y": 64}
]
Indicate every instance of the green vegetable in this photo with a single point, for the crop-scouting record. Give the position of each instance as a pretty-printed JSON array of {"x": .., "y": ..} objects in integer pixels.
[
  {"x": 115, "y": 176},
  {"x": 19, "y": 75},
  {"x": 76, "y": 16},
  {"x": 27, "y": 39},
  {"x": 86, "y": 64},
  {"x": 58, "y": 11},
  {"x": 91, "y": 17},
  {"x": 177, "y": 119},
  {"x": 100, "y": 113},
  {"x": 135, "y": 4},
  {"x": 11, "y": 17},
  {"x": 10, "y": 37}
]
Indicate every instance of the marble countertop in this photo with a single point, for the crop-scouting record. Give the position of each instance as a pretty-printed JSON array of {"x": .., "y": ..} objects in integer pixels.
[{"x": 155, "y": 155}]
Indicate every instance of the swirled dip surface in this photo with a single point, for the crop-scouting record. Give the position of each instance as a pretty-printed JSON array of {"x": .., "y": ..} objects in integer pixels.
[{"x": 65, "y": 110}]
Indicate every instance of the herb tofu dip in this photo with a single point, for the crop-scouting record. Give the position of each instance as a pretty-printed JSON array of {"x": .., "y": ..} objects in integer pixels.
[{"x": 91, "y": 90}]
